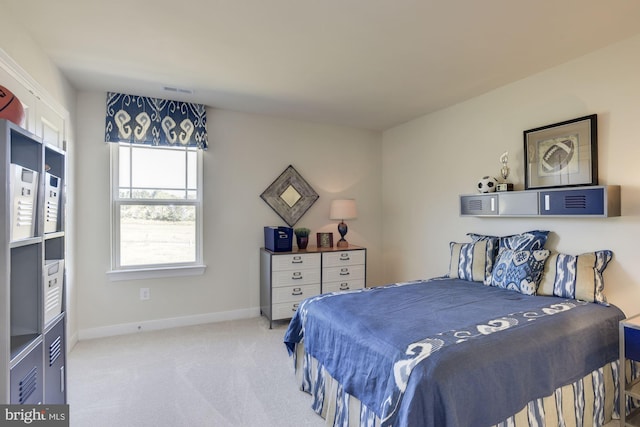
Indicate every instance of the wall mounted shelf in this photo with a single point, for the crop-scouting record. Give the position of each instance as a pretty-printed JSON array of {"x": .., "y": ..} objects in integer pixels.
[{"x": 591, "y": 201}]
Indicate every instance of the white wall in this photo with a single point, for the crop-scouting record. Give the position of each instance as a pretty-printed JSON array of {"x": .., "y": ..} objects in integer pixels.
[
  {"x": 421, "y": 166},
  {"x": 247, "y": 152},
  {"x": 429, "y": 161},
  {"x": 19, "y": 45}
]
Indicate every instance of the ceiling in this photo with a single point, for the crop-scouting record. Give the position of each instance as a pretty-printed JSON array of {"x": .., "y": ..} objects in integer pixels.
[{"x": 369, "y": 64}]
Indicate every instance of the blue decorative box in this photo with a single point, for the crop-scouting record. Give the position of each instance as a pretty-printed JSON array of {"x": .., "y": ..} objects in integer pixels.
[
  {"x": 278, "y": 239},
  {"x": 632, "y": 343}
]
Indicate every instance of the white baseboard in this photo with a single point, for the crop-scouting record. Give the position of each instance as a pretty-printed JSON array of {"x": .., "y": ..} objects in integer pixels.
[
  {"x": 174, "y": 322},
  {"x": 72, "y": 341}
]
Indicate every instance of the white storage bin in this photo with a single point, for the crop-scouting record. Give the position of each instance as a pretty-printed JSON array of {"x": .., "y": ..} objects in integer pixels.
[
  {"x": 23, "y": 189},
  {"x": 53, "y": 280}
]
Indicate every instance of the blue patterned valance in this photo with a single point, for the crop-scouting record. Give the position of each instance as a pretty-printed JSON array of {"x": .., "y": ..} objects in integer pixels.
[{"x": 154, "y": 121}]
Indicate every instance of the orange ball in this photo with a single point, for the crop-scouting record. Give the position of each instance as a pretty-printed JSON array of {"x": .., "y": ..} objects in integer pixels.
[{"x": 10, "y": 106}]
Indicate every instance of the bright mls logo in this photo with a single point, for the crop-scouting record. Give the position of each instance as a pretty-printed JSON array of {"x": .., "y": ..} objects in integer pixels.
[{"x": 35, "y": 415}]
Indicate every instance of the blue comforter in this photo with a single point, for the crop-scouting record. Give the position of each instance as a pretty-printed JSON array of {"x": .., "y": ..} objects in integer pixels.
[{"x": 450, "y": 352}]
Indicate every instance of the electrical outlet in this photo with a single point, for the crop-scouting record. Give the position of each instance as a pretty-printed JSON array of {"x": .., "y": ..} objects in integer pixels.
[{"x": 145, "y": 294}]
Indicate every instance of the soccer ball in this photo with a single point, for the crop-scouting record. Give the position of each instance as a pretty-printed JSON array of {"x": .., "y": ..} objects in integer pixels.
[{"x": 487, "y": 184}]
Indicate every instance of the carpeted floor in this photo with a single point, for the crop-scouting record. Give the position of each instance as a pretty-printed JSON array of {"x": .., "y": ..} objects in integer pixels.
[
  {"x": 216, "y": 375},
  {"x": 229, "y": 374}
]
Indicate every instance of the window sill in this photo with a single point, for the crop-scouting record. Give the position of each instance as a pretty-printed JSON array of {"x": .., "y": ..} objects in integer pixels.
[{"x": 155, "y": 273}]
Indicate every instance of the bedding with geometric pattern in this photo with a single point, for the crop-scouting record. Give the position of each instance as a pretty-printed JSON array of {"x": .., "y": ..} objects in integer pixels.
[
  {"x": 452, "y": 352},
  {"x": 585, "y": 402}
]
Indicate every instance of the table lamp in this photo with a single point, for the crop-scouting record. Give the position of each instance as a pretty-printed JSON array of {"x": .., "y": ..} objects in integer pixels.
[{"x": 343, "y": 209}]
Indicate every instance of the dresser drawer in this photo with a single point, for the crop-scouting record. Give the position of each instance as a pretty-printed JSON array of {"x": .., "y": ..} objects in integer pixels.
[
  {"x": 337, "y": 274},
  {"x": 294, "y": 293},
  {"x": 295, "y": 277},
  {"x": 295, "y": 262},
  {"x": 344, "y": 285},
  {"x": 335, "y": 259},
  {"x": 284, "y": 310},
  {"x": 288, "y": 278}
]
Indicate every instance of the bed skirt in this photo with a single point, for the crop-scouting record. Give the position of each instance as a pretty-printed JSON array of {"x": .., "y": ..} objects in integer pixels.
[{"x": 590, "y": 401}]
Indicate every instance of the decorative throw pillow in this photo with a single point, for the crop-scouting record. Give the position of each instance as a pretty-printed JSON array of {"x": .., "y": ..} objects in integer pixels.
[
  {"x": 519, "y": 270},
  {"x": 576, "y": 276},
  {"x": 472, "y": 261},
  {"x": 528, "y": 241},
  {"x": 477, "y": 237}
]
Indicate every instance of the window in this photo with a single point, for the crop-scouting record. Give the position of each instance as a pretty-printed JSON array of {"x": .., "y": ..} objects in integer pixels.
[{"x": 156, "y": 198}]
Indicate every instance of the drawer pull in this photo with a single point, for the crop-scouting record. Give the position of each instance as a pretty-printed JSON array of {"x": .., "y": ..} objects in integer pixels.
[
  {"x": 297, "y": 275},
  {"x": 295, "y": 306},
  {"x": 297, "y": 260},
  {"x": 344, "y": 271},
  {"x": 344, "y": 286},
  {"x": 297, "y": 291},
  {"x": 344, "y": 257}
]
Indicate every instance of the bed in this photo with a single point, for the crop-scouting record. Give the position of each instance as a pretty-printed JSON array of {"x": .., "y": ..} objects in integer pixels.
[{"x": 514, "y": 335}]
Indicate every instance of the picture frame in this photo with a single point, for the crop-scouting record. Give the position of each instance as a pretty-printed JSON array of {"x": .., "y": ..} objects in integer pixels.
[
  {"x": 290, "y": 196},
  {"x": 324, "y": 240},
  {"x": 562, "y": 154}
]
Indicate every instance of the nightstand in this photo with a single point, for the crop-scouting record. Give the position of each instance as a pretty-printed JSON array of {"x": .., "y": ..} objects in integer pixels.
[{"x": 629, "y": 349}]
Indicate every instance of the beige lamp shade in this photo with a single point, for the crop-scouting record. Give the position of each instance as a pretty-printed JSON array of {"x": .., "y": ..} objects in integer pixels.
[{"x": 343, "y": 209}]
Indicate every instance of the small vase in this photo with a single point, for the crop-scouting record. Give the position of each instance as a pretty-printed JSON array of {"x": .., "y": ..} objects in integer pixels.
[{"x": 302, "y": 242}]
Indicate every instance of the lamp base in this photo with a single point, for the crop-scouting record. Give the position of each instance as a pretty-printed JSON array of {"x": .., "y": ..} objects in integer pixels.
[{"x": 342, "y": 229}]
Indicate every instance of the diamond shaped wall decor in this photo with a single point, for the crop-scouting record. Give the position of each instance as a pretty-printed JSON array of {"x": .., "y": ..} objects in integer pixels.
[{"x": 290, "y": 196}]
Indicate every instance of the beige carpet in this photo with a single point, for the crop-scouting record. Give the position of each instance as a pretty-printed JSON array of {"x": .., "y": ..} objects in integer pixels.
[{"x": 217, "y": 375}]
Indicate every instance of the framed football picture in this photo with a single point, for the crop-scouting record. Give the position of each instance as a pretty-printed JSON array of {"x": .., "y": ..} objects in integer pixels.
[{"x": 562, "y": 154}]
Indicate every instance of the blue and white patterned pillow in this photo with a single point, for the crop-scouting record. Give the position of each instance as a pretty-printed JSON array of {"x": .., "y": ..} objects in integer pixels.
[
  {"x": 472, "y": 261},
  {"x": 528, "y": 241},
  {"x": 519, "y": 270},
  {"x": 576, "y": 276}
]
